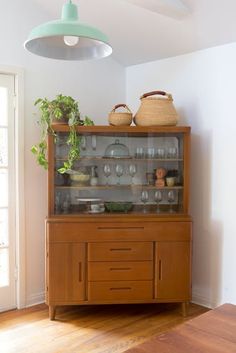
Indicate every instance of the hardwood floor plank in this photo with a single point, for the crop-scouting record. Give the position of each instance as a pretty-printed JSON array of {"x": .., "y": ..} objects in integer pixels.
[{"x": 87, "y": 329}]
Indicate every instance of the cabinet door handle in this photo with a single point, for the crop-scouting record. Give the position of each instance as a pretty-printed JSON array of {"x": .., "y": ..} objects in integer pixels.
[
  {"x": 160, "y": 270},
  {"x": 120, "y": 249},
  {"x": 80, "y": 272},
  {"x": 121, "y": 288},
  {"x": 120, "y": 268}
]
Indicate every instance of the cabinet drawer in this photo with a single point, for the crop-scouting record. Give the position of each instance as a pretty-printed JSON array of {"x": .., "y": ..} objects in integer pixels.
[
  {"x": 116, "y": 271},
  {"x": 120, "y": 290},
  {"x": 120, "y": 251}
]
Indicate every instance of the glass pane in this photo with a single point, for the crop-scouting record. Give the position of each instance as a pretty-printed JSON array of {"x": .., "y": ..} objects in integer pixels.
[
  {"x": 3, "y": 227},
  {"x": 3, "y": 147},
  {"x": 3, "y": 188},
  {"x": 3, "y": 106},
  {"x": 4, "y": 267},
  {"x": 143, "y": 172}
]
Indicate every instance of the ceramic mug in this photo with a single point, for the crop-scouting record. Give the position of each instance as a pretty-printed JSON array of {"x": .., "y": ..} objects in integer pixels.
[{"x": 170, "y": 181}]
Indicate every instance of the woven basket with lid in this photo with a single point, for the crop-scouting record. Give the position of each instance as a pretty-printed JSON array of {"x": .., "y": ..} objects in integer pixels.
[
  {"x": 120, "y": 118},
  {"x": 156, "y": 110}
]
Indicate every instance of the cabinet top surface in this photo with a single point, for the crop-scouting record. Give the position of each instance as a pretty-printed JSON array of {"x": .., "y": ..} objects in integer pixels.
[{"x": 125, "y": 129}]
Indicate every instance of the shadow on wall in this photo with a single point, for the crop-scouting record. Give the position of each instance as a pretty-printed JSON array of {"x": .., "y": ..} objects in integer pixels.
[{"x": 207, "y": 231}]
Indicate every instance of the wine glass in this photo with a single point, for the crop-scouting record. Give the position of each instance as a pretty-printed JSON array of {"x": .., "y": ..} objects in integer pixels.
[
  {"x": 171, "y": 199},
  {"x": 107, "y": 171},
  {"x": 144, "y": 199},
  {"x": 132, "y": 171},
  {"x": 158, "y": 199},
  {"x": 119, "y": 171}
]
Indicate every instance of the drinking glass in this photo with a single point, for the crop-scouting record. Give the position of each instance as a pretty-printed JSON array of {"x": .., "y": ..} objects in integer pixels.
[
  {"x": 172, "y": 152},
  {"x": 107, "y": 171},
  {"x": 144, "y": 199},
  {"x": 161, "y": 153},
  {"x": 94, "y": 142},
  {"x": 139, "y": 152},
  {"x": 171, "y": 199},
  {"x": 119, "y": 171},
  {"x": 132, "y": 171},
  {"x": 83, "y": 143},
  {"x": 158, "y": 199},
  {"x": 151, "y": 152}
]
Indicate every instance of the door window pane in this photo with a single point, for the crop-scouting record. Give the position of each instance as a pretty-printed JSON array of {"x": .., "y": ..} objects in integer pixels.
[
  {"x": 3, "y": 107},
  {"x": 3, "y": 188},
  {"x": 4, "y": 267},
  {"x": 3, "y": 227},
  {"x": 3, "y": 147}
]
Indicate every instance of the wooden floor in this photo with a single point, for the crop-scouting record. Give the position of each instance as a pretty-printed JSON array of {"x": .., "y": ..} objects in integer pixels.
[{"x": 87, "y": 329}]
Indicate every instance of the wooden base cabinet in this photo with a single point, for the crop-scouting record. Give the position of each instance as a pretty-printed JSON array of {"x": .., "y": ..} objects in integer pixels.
[{"x": 120, "y": 266}]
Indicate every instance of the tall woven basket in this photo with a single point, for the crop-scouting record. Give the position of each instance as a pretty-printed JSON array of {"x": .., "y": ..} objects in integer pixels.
[
  {"x": 155, "y": 111},
  {"x": 120, "y": 118}
]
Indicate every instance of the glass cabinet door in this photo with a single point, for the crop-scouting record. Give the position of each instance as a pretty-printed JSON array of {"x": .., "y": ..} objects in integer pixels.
[{"x": 122, "y": 172}]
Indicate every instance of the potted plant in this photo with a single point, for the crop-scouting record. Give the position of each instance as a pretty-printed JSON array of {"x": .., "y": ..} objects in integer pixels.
[{"x": 61, "y": 109}]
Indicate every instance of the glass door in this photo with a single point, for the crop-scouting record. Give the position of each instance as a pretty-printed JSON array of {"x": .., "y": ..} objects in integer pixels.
[
  {"x": 7, "y": 191},
  {"x": 126, "y": 172}
]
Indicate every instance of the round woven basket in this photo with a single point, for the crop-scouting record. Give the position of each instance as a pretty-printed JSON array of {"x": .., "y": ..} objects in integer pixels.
[
  {"x": 156, "y": 110},
  {"x": 120, "y": 118}
]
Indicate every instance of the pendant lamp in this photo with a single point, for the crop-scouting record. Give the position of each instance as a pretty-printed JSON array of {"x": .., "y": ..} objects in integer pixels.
[{"x": 68, "y": 39}]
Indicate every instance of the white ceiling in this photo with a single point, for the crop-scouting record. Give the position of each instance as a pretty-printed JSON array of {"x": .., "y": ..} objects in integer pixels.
[{"x": 138, "y": 35}]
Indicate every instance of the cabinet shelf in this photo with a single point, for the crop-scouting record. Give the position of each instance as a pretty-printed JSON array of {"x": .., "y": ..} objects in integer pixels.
[
  {"x": 109, "y": 187},
  {"x": 105, "y": 159}
]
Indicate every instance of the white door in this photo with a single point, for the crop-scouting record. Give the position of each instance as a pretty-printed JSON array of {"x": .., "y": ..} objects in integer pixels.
[{"x": 7, "y": 194}]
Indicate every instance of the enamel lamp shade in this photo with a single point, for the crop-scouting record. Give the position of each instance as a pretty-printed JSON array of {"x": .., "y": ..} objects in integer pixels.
[{"x": 68, "y": 39}]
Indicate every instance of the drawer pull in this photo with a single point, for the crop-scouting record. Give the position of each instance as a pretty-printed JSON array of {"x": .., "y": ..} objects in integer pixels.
[
  {"x": 120, "y": 268},
  {"x": 80, "y": 272},
  {"x": 120, "y": 249},
  {"x": 112, "y": 228},
  {"x": 160, "y": 270},
  {"x": 121, "y": 288}
]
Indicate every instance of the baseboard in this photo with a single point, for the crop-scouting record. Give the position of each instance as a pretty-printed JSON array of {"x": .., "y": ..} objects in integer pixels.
[
  {"x": 203, "y": 301},
  {"x": 34, "y": 299},
  {"x": 7, "y": 308}
]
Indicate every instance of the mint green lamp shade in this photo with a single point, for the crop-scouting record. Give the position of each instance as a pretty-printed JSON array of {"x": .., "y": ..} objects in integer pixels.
[{"x": 68, "y": 39}]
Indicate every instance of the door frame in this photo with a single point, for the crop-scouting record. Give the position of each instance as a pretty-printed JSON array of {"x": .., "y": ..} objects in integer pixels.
[{"x": 20, "y": 237}]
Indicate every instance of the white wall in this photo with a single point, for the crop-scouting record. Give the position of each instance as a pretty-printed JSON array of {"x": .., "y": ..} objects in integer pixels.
[
  {"x": 98, "y": 86},
  {"x": 203, "y": 87}
]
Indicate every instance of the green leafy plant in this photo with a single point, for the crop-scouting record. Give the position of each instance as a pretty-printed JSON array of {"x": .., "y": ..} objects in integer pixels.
[{"x": 62, "y": 108}]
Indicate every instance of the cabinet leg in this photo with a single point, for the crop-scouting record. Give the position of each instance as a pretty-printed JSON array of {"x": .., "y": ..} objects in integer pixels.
[
  {"x": 185, "y": 309},
  {"x": 52, "y": 312}
]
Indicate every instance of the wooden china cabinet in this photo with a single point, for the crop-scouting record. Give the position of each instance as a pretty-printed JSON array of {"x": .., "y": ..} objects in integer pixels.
[{"x": 115, "y": 233}]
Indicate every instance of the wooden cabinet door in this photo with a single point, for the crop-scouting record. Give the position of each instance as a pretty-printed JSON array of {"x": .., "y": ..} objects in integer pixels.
[
  {"x": 66, "y": 272},
  {"x": 172, "y": 272}
]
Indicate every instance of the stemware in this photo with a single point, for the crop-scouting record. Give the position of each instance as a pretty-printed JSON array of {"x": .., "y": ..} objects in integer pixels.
[
  {"x": 171, "y": 199},
  {"x": 119, "y": 171},
  {"x": 158, "y": 199},
  {"x": 144, "y": 199},
  {"x": 132, "y": 171},
  {"x": 107, "y": 171}
]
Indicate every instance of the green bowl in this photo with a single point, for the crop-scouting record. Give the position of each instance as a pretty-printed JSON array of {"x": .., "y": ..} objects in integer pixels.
[{"x": 118, "y": 206}]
